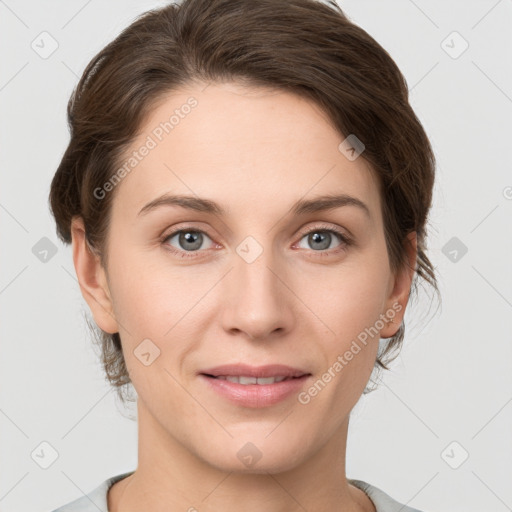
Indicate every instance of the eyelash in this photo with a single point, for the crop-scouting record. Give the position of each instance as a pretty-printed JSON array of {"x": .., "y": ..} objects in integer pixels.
[{"x": 345, "y": 240}]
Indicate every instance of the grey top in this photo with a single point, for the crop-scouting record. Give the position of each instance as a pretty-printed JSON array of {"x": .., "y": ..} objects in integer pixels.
[{"x": 96, "y": 500}]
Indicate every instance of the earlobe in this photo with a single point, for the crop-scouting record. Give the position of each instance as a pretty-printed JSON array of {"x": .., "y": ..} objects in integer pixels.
[
  {"x": 92, "y": 279},
  {"x": 401, "y": 287}
]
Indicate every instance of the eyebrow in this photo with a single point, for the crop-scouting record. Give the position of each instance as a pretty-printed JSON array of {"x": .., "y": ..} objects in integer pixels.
[{"x": 301, "y": 207}]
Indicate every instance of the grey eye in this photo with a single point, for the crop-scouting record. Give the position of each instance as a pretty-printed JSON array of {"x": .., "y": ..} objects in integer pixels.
[
  {"x": 188, "y": 240},
  {"x": 319, "y": 239}
]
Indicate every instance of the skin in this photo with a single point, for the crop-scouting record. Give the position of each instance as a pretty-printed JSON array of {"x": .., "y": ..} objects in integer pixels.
[{"x": 255, "y": 152}]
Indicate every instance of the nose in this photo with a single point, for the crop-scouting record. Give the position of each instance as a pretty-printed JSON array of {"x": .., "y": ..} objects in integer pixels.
[{"x": 258, "y": 302}]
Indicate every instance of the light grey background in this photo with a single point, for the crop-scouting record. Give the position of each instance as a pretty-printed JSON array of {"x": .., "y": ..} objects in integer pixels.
[{"x": 453, "y": 380}]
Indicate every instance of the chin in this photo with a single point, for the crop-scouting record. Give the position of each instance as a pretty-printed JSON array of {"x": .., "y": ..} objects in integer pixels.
[{"x": 254, "y": 457}]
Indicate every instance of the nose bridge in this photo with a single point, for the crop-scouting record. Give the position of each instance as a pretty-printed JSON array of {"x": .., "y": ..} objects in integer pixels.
[{"x": 258, "y": 303}]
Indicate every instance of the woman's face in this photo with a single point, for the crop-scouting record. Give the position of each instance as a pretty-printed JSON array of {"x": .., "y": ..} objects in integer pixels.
[{"x": 245, "y": 283}]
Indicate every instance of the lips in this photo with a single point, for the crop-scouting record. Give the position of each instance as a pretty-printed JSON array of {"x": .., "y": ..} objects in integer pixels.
[
  {"x": 245, "y": 374},
  {"x": 254, "y": 386},
  {"x": 245, "y": 380}
]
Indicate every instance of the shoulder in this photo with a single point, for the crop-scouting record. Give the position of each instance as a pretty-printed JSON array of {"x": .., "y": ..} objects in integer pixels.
[
  {"x": 95, "y": 500},
  {"x": 382, "y": 501}
]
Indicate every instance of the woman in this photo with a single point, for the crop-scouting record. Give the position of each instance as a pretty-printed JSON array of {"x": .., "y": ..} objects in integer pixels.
[{"x": 252, "y": 131}]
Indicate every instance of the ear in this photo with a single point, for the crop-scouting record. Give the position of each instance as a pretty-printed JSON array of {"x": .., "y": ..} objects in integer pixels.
[
  {"x": 400, "y": 287},
  {"x": 92, "y": 279}
]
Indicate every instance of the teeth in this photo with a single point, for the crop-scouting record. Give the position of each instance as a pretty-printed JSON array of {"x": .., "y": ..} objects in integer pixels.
[
  {"x": 246, "y": 380},
  {"x": 251, "y": 380}
]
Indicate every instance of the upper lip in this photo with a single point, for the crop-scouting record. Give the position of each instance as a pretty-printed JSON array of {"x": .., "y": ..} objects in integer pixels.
[{"x": 272, "y": 370}]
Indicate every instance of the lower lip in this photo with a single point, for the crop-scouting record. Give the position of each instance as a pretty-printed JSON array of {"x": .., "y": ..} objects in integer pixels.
[{"x": 255, "y": 395}]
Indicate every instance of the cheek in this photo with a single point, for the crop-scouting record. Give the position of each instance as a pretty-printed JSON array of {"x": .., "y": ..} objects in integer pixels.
[
  {"x": 154, "y": 301},
  {"x": 349, "y": 305},
  {"x": 350, "y": 298},
  {"x": 136, "y": 308}
]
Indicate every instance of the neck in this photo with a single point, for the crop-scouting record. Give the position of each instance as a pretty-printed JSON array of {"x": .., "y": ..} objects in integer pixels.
[{"x": 170, "y": 477}]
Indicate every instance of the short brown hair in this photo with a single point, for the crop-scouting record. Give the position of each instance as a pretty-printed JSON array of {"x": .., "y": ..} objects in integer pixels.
[{"x": 304, "y": 47}]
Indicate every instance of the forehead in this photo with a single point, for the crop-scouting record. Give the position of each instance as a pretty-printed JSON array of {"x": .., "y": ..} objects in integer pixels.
[{"x": 246, "y": 148}]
